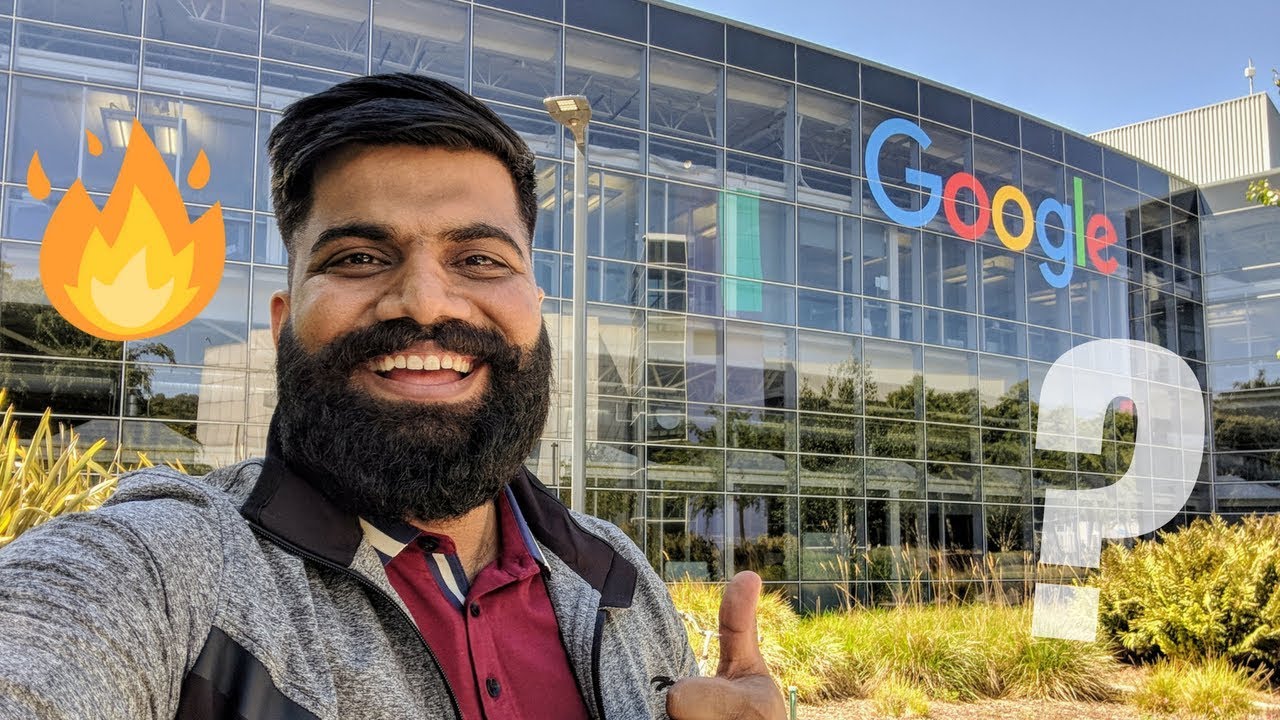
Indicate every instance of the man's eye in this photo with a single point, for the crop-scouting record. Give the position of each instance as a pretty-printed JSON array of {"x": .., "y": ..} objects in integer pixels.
[
  {"x": 356, "y": 259},
  {"x": 481, "y": 261}
]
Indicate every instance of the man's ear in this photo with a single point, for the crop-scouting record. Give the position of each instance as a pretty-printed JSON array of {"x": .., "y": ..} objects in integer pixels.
[{"x": 279, "y": 314}]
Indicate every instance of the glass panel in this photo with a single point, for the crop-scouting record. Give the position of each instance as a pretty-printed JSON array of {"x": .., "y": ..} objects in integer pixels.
[
  {"x": 686, "y": 535},
  {"x": 282, "y": 84},
  {"x": 1004, "y": 393},
  {"x": 1002, "y": 336},
  {"x": 829, "y": 539},
  {"x": 226, "y": 134},
  {"x": 955, "y": 330},
  {"x": 684, "y": 358},
  {"x": 758, "y": 52},
  {"x": 425, "y": 37},
  {"x": 830, "y": 434},
  {"x": 67, "y": 386},
  {"x": 123, "y": 17},
  {"x": 751, "y": 300},
  {"x": 230, "y": 25},
  {"x": 76, "y": 54},
  {"x": 217, "y": 336},
  {"x": 829, "y": 251},
  {"x": 945, "y": 106},
  {"x": 623, "y": 509},
  {"x": 760, "y": 365},
  {"x": 610, "y": 73},
  {"x": 827, "y": 71},
  {"x": 838, "y": 192},
  {"x": 624, "y": 18},
  {"x": 684, "y": 97},
  {"x": 549, "y": 9},
  {"x": 950, "y": 270},
  {"x": 685, "y": 161},
  {"x": 614, "y": 208},
  {"x": 31, "y": 325},
  {"x": 995, "y": 123},
  {"x": 613, "y": 147},
  {"x": 832, "y": 376},
  {"x": 684, "y": 226},
  {"x": 890, "y": 262},
  {"x": 766, "y": 535},
  {"x": 1003, "y": 289},
  {"x": 896, "y": 385},
  {"x": 51, "y": 117},
  {"x": 758, "y": 240},
  {"x": 262, "y": 182},
  {"x": 891, "y": 320},
  {"x": 199, "y": 447},
  {"x": 515, "y": 60},
  {"x": 826, "y": 126},
  {"x": 758, "y": 175},
  {"x": 199, "y": 73},
  {"x": 756, "y": 115},
  {"x": 239, "y": 227},
  {"x": 951, "y": 386},
  {"x": 166, "y": 392},
  {"x": 330, "y": 35},
  {"x": 890, "y": 89},
  {"x": 262, "y": 348},
  {"x": 687, "y": 33},
  {"x": 1041, "y": 139},
  {"x": 535, "y": 127},
  {"x": 827, "y": 475}
]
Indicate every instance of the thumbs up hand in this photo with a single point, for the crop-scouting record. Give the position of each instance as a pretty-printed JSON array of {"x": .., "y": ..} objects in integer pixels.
[{"x": 742, "y": 688}]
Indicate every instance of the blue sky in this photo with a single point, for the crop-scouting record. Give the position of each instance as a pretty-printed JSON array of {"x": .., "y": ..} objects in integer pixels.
[{"x": 1087, "y": 65}]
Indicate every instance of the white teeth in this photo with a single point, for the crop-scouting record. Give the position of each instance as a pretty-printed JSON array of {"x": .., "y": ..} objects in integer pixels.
[
  {"x": 431, "y": 362},
  {"x": 415, "y": 362},
  {"x": 463, "y": 366},
  {"x": 401, "y": 362},
  {"x": 446, "y": 362}
]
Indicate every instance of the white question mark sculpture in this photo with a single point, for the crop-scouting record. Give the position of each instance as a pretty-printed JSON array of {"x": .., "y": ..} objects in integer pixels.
[{"x": 1168, "y": 446}]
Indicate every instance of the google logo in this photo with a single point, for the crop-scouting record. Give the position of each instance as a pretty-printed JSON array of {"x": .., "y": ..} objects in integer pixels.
[{"x": 1080, "y": 239}]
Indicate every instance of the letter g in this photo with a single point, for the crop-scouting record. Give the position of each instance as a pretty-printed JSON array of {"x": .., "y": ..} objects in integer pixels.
[{"x": 928, "y": 181}]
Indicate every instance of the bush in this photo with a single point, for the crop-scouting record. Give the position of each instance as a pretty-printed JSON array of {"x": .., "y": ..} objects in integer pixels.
[
  {"x": 1211, "y": 689},
  {"x": 899, "y": 699},
  {"x": 945, "y": 652},
  {"x": 1211, "y": 589},
  {"x": 49, "y": 477}
]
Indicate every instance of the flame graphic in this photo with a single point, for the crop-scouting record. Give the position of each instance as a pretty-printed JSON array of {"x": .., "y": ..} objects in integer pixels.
[{"x": 139, "y": 267}]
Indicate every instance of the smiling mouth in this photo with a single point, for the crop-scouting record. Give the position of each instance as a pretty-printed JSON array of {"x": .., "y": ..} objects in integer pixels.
[{"x": 429, "y": 368}]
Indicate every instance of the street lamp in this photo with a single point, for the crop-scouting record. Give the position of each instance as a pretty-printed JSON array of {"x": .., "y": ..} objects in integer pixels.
[{"x": 574, "y": 112}]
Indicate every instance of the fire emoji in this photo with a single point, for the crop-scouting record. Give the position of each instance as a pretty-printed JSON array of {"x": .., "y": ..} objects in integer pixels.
[{"x": 139, "y": 267}]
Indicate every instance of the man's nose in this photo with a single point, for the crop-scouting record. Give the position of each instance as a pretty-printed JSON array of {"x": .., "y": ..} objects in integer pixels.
[{"x": 424, "y": 291}]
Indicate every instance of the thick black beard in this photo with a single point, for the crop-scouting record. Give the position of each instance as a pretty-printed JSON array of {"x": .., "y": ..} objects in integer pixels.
[{"x": 395, "y": 461}]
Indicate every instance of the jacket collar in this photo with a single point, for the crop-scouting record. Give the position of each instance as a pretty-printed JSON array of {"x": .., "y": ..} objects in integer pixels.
[{"x": 292, "y": 510}]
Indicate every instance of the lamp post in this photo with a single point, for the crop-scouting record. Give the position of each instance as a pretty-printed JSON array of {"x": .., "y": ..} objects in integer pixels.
[{"x": 574, "y": 112}]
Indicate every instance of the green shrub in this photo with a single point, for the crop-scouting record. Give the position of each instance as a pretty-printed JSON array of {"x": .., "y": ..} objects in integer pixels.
[
  {"x": 899, "y": 699},
  {"x": 1211, "y": 689},
  {"x": 1208, "y": 590},
  {"x": 50, "y": 475}
]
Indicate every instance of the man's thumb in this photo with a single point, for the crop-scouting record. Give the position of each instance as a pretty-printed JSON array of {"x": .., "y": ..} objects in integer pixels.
[{"x": 739, "y": 640}]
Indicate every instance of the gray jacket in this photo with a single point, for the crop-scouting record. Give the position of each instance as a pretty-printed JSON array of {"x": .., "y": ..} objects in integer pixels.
[{"x": 245, "y": 594}]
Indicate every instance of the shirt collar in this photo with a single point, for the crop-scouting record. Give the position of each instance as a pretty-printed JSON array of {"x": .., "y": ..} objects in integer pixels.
[{"x": 390, "y": 540}]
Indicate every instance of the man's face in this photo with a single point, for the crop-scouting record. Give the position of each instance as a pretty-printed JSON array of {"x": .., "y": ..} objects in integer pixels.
[{"x": 412, "y": 364}]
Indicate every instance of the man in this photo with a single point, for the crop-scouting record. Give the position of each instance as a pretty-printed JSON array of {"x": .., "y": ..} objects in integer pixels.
[{"x": 390, "y": 557}]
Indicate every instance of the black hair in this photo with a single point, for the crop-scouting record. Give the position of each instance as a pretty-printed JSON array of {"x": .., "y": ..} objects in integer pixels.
[{"x": 394, "y": 109}]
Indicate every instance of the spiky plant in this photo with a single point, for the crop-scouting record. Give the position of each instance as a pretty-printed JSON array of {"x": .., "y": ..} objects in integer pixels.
[{"x": 49, "y": 476}]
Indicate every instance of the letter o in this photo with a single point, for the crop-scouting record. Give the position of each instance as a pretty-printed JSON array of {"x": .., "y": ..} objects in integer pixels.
[
  {"x": 955, "y": 183},
  {"x": 1004, "y": 196}
]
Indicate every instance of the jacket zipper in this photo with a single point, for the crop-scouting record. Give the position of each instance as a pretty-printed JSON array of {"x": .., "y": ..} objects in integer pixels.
[
  {"x": 597, "y": 639},
  {"x": 307, "y": 555}
]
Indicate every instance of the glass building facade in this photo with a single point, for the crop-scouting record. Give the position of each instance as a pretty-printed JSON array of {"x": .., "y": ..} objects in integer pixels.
[{"x": 782, "y": 378}]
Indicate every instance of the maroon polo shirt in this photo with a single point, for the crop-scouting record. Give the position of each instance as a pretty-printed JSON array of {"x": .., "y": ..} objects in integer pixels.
[{"x": 496, "y": 637}]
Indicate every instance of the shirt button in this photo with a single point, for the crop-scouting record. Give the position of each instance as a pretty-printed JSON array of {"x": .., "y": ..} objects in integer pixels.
[
  {"x": 475, "y": 612},
  {"x": 493, "y": 687}
]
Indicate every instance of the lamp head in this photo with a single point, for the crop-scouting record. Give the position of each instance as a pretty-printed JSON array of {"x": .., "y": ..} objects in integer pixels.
[{"x": 572, "y": 111}]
